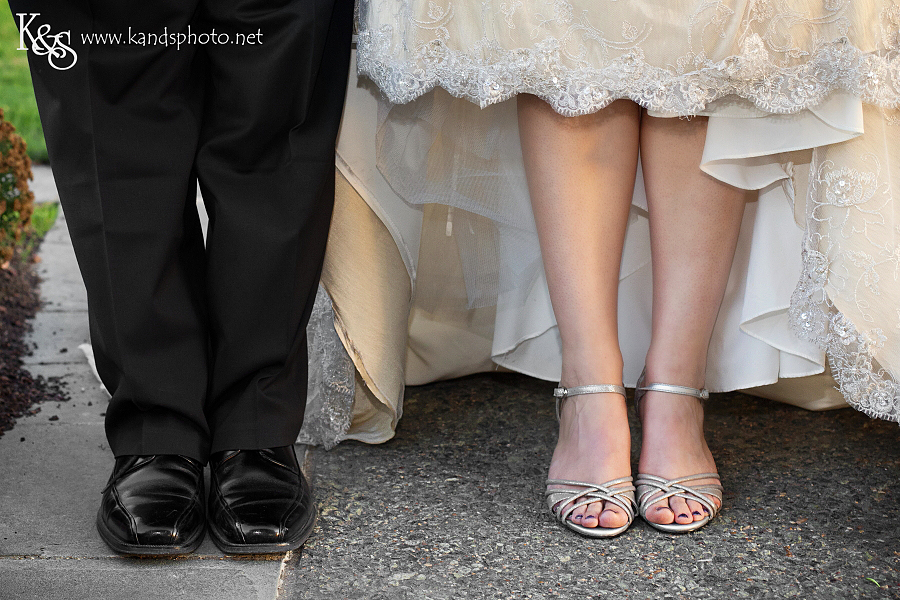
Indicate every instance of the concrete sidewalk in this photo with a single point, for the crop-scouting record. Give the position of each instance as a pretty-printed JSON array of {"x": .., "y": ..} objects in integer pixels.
[
  {"x": 452, "y": 508},
  {"x": 54, "y": 464}
]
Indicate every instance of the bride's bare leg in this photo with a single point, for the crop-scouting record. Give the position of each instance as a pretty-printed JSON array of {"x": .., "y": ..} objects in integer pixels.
[
  {"x": 694, "y": 225},
  {"x": 580, "y": 176}
]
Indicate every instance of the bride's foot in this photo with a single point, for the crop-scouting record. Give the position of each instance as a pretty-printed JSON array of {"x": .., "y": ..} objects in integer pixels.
[
  {"x": 674, "y": 446},
  {"x": 594, "y": 446}
]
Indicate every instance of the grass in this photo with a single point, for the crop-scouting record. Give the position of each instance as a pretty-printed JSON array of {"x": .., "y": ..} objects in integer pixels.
[
  {"x": 42, "y": 219},
  {"x": 16, "y": 93}
]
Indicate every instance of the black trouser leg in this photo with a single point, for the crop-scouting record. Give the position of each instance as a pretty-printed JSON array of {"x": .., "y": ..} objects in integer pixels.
[
  {"x": 266, "y": 168},
  {"x": 122, "y": 128},
  {"x": 127, "y": 130}
]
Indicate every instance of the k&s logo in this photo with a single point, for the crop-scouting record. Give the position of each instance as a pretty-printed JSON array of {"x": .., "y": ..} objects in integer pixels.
[{"x": 55, "y": 46}]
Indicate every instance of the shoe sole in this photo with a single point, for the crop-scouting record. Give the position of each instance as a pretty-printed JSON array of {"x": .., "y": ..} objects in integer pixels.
[
  {"x": 678, "y": 527},
  {"x": 231, "y": 548},
  {"x": 147, "y": 550},
  {"x": 597, "y": 532}
]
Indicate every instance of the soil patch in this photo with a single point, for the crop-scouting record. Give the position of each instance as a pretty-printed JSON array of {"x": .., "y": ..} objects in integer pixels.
[{"x": 20, "y": 393}]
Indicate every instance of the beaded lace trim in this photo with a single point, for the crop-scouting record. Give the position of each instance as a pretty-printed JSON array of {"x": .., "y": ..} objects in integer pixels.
[
  {"x": 852, "y": 203},
  {"x": 490, "y": 74}
]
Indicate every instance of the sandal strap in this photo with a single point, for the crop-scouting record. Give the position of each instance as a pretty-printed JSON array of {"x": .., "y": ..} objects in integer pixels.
[
  {"x": 611, "y": 491},
  {"x": 675, "y": 389},
  {"x": 564, "y": 392},
  {"x": 648, "y": 486},
  {"x": 667, "y": 388},
  {"x": 561, "y": 393}
]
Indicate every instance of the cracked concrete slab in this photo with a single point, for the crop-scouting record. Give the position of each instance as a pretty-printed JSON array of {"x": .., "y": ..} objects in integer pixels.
[{"x": 136, "y": 579}]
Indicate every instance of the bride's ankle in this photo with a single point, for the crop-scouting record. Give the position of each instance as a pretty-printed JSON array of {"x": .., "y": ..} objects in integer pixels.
[
  {"x": 609, "y": 373},
  {"x": 670, "y": 411},
  {"x": 688, "y": 374}
]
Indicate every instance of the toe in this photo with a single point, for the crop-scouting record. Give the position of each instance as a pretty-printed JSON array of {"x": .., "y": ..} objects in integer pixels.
[
  {"x": 681, "y": 510},
  {"x": 592, "y": 514},
  {"x": 612, "y": 516},
  {"x": 660, "y": 513},
  {"x": 560, "y": 508},
  {"x": 698, "y": 513},
  {"x": 577, "y": 515}
]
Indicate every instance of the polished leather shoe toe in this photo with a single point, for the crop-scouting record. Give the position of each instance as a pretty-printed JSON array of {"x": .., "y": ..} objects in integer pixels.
[
  {"x": 259, "y": 501},
  {"x": 153, "y": 505}
]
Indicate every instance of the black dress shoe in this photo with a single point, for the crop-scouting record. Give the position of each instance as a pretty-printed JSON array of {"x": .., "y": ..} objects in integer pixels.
[
  {"x": 259, "y": 501},
  {"x": 153, "y": 505}
]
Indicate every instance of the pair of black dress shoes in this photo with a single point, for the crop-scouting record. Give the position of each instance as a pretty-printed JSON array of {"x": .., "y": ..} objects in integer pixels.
[{"x": 259, "y": 502}]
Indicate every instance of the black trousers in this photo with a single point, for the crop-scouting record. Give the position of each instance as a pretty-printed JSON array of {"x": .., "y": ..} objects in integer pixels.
[{"x": 202, "y": 349}]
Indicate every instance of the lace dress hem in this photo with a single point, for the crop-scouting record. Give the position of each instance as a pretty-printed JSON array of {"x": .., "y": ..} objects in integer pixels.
[{"x": 490, "y": 74}]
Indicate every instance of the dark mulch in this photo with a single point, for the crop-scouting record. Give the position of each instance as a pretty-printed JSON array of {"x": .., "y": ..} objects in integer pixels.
[{"x": 20, "y": 393}]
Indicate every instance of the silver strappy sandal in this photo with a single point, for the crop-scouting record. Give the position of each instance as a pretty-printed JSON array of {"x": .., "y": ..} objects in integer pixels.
[
  {"x": 652, "y": 489},
  {"x": 618, "y": 491}
]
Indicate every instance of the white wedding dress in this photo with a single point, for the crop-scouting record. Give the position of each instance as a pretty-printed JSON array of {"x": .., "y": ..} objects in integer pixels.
[
  {"x": 433, "y": 264},
  {"x": 433, "y": 267}
]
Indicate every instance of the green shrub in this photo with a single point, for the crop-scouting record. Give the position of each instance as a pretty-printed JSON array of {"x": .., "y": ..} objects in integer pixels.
[{"x": 16, "y": 200}]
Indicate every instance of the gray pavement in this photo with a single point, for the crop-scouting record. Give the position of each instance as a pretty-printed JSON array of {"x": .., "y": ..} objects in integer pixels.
[
  {"x": 452, "y": 508},
  {"x": 54, "y": 464}
]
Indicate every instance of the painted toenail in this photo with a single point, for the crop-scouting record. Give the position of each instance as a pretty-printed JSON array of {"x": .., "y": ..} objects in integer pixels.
[
  {"x": 589, "y": 517},
  {"x": 682, "y": 516},
  {"x": 697, "y": 512}
]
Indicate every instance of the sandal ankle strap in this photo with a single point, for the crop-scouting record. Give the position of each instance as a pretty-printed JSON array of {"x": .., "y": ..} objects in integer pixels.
[
  {"x": 561, "y": 393},
  {"x": 675, "y": 389},
  {"x": 564, "y": 392}
]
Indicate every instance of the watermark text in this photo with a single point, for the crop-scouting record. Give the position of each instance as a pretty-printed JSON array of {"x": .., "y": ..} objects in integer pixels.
[
  {"x": 39, "y": 39},
  {"x": 172, "y": 38},
  {"x": 41, "y": 42}
]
